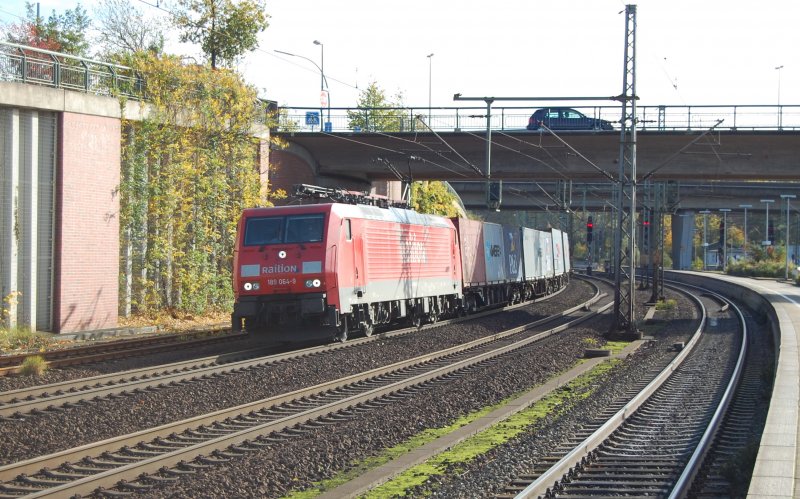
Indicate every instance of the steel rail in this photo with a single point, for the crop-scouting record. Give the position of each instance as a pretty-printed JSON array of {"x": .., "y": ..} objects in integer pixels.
[
  {"x": 541, "y": 485},
  {"x": 113, "y": 349},
  {"x": 45, "y": 397},
  {"x": 692, "y": 466},
  {"x": 696, "y": 461},
  {"x": 111, "y": 477}
]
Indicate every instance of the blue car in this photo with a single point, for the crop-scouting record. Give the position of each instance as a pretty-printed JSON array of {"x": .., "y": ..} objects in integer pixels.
[{"x": 565, "y": 118}]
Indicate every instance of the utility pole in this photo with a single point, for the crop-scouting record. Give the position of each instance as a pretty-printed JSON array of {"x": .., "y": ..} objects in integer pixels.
[{"x": 624, "y": 258}]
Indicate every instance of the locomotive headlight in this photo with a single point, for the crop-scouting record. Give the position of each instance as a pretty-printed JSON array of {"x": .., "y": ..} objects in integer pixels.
[
  {"x": 316, "y": 283},
  {"x": 313, "y": 283},
  {"x": 248, "y": 286},
  {"x": 256, "y": 286},
  {"x": 281, "y": 254}
]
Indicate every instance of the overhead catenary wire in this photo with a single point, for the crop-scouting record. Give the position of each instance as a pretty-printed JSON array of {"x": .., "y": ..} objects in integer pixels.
[
  {"x": 475, "y": 168},
  {"x": 394, "y": 151},
  {"x": 542, "y": 162},
  {"x": 470, "y": 167}
]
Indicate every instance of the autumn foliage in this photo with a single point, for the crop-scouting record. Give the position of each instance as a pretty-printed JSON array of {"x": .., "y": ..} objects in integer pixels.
[{"x": 190, "y": 165}]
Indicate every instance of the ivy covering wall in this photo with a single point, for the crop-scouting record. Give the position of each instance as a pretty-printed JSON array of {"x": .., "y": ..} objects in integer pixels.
[{"x": 189, "y": 167}]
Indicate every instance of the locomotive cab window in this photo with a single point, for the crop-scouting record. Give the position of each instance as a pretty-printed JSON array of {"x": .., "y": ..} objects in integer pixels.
[
  {"x": 348, "y": 230},
  {"x": 304, "y": 228},
  {"x": 263, "y": 230}
]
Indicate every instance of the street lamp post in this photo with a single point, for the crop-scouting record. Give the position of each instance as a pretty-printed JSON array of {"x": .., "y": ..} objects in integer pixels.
[
  {"x": 324, "y": 81},
  {"x": 787, "y": 197},
  {"x": 780, "y": 114},
  {"x": 766, "y": 242},
  {"x": 745, "y": 206},
  {"x": 430, "y": 66},
  {"x": 724, "y": 238},
  {"x": 705, "y": 214}
]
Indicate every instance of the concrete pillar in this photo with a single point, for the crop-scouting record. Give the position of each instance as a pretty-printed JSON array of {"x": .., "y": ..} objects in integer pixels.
[
  {"x": 9, "y": 226},
  {"x": 682, "y": 239},
  {"x": 30, "y": 217}
]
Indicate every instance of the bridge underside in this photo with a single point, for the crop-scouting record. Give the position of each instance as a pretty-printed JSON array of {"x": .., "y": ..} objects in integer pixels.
[
  {"x": 523, "y": 155},
  {"x": 597, "y": 196}
]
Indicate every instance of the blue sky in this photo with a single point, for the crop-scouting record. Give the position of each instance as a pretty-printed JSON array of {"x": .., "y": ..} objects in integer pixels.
[{"x": 688, "y": 52}]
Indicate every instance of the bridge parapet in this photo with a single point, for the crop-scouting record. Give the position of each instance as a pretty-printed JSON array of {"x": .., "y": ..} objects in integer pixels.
[
  {"x": 515, "y": 119},
  {"x": 53, "y": 69}
]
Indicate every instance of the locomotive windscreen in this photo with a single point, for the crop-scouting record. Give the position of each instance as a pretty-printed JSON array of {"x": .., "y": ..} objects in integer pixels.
[
  {"x": 304, "y": 228},
  {"x": 263, "y": 230},
  {"x": 289, "y": 229}
]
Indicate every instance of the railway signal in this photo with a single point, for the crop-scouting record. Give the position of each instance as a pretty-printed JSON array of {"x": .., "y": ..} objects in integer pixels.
[{"x": 589, "y": 227}]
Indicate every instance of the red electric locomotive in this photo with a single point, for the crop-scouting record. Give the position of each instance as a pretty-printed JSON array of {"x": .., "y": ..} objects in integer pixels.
[{"x": 323, "y": 270}]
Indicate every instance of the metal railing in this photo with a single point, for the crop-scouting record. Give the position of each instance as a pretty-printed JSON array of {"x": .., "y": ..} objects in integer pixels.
[
  {"x": 473, "y": 119},
  {"x": 53, "y": 69},
  {"x": 43, "y": 67}
]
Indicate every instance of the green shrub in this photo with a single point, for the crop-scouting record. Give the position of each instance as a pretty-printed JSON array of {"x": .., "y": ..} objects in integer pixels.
[
  {"x": 667, "y": 304},
  {"x": 35, "y": 365},
  {"x": 766, "y": 268},
  {"x": 14, "y": 338}
]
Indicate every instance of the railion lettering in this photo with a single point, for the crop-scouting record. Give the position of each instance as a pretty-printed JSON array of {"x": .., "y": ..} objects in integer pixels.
[{"x": 279, "y": 268}]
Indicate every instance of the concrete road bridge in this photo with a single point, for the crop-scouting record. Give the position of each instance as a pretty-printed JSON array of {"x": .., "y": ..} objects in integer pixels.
[{"x": 746, "y": 143}]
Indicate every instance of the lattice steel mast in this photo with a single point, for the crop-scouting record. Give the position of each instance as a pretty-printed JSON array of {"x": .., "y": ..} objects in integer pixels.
[{"x": 624, "y": 258}]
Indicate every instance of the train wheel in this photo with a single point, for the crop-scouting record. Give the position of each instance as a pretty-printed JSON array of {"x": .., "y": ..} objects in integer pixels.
[
  {"x": 416, "y": 320},
  {"x": 368, "y": 329}
]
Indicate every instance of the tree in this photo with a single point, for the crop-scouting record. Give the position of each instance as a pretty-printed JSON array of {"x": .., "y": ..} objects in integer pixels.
[
  {"x": 225, "y": 30},
  {"x": 434, "y": 197},
  {"x": 60, "y": 32},
  {"x": 188, "y": 169},
  {"x": 376, "y": 112},
  {"x": 124, "y": 29}
]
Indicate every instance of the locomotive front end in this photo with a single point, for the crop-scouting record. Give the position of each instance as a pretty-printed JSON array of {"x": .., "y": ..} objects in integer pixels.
[{"x": 280, "y": 279}]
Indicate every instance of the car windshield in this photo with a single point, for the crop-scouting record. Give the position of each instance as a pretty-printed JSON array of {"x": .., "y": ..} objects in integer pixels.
[{"x": 260, "y": 231}]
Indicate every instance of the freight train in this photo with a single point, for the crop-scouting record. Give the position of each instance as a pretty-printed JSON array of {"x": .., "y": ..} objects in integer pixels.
[{"x": 333, "y": 269}]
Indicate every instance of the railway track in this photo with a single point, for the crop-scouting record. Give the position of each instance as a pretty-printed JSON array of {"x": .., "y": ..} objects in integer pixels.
[
  {"x": 653, "y": 443},
  {"x": 26, "y": 401},
  {"x": 10, "y": 364},
  {"x": 253, "y": 426}
]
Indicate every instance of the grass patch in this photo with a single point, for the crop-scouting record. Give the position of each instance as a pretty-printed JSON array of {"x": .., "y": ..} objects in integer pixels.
[
  {"x": 35, "y": 365},
  {"x": 616, "y": 346},
  {"x": 669, "y": 304},
  {"x": 448, "y": 462},
  {"x": 574, "y": 391},
  {"x": 555, "y": 402},
  {"x": 391, "y": 453},
  {"x": 590, "y": 342},
  {"x": 22, "y": 339},
  {"x": 172, "y": 320}
]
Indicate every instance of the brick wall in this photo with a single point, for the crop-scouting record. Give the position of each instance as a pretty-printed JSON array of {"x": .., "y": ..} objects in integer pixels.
[
  {"x": 87, "y": 220},
  {"x": 286, "y": 170}
]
